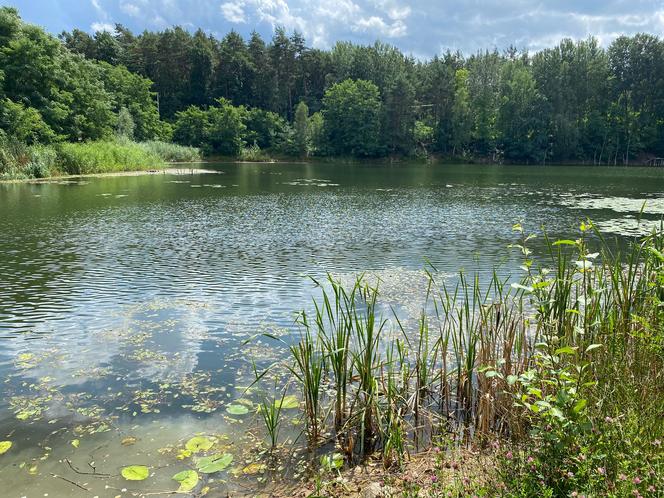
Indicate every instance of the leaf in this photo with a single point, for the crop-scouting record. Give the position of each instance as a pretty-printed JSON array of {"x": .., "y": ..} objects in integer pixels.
[
  {"x": 331, "y": 462},
  {"x": 522, "y": 287},
  {"x": 135, "y": 472},
  {"x": 254, "y": 468},
  {"x": 199, "y": 443},
  {"x": 237, "y": 410},
  {"x": 593, "y": 346},
  {"x": 129, "y": 440},
  {"x": 564, "y": 350},
  {"x": 288, "y": 403},
  {"x": 580, "y": 405},
  {"x": 4, "y": 446},
  {"x": 511, "y": 379},
  {"x": 188, "y": 480},
  {"x": 76, "y": 443},
  {"x": 564, "y": 243},
  {"x": 214, "y": 463}
]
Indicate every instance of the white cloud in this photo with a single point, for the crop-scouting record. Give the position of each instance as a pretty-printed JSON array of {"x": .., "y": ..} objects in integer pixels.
[
  {"x": 233, "y": 12},
  {"x": 378, "y": 26},
  {"x": 130, "y": 9},
  {"x": 102, "y": 26}
]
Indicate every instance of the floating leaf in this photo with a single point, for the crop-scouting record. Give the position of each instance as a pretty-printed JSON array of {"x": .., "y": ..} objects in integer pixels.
[
  {"x": 288, "y": 403},
  {"x": 214, "y": 463},
  {"x": 4, "y": 446},
  {"x": 188, "y": 480},
  {"x": 76, "y": 443},
  {"x": 135, "y": 472},
  {"x": 254, "y": 468},
  {"x": 237, "y": 410},
  {"x": 199, "y": 443}
]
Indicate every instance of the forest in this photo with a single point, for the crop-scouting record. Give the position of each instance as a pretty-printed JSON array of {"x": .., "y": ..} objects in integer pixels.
[{"x": 576, "y": 102}]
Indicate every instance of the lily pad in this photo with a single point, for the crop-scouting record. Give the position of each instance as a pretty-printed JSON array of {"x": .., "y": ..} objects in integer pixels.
[
  {"x": 237, "y": 409},
  {"x": 214, "y": 463},
  {"x": 199, "y": 443},
  {"x": 288, "y": 403},
  {"x": 188, "y": 480},
  {"x": 4, "y": 446},
  {"x": 135, "y": 472}
]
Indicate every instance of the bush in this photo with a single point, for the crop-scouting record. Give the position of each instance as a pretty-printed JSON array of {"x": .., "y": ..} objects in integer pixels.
[
  {"x": 105, "y": 157},
  {"x": 253, "y": 154},
  {"x": 172, "y": 153},
  {"x": 20, "y": 161}
]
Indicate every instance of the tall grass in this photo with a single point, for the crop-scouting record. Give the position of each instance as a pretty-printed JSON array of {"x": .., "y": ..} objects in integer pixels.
[
  {"x": 19, "y": 161},
  {"x": 105, "y": 157},
  {"x": 172, "y": 153},
  {"x": 542, "y": 363}
]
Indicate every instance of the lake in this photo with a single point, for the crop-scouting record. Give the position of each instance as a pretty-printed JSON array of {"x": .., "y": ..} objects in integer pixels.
[{"x": 128, "y": 304}]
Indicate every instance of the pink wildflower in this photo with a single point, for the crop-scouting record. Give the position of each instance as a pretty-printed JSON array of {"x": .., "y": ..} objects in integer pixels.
[
  {"x": 636, "y": 480},
  {"x": 601, "y": 471}
]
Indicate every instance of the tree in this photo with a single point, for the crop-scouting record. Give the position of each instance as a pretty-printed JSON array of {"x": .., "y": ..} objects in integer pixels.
[
  {"x": 461, "y": 114},
  {"x": 125, "y": 127},
  {"x": 519, "y": 128},
  {"x": 352, "y": 112},
  {"x": 24, "y": 124},
  {"x": 302, "y": 129}
]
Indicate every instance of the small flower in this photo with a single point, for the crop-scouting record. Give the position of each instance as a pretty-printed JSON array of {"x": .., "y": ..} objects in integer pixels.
[
  {"x": 509, "y": 455},
  {"x": 657, "y": 442},
  {"x": 455, "y": 465},
  {"x": 466, "y": 481},
  {"x": 434, "y": 479},
  {"x": 574, "y": 494},
  {"x": 608, "y": 420},
  {"x": 601, "y": 471},
  {"x": 651, "y": 489},
  {"x": 622, "y": 477},
  {"x": 570, "y": 474},
  {"x": 436, "y": 449},
  {"x": 636, "y": 480},
  {"x": 530, "y": 459}
]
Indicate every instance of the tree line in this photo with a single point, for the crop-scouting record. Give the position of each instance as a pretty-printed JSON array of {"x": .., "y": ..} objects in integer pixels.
[{"x": 574, "y": 102}]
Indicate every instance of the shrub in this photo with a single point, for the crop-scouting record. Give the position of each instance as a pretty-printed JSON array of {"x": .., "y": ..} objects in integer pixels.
[{"x": 253, "y": 154}]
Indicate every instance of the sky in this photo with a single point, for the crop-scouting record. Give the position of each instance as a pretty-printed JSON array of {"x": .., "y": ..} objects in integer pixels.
[{"x": 422, "y": 28}]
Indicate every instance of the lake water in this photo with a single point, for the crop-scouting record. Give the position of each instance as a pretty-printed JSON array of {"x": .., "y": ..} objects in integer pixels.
[{"x": 126, "y": 302}]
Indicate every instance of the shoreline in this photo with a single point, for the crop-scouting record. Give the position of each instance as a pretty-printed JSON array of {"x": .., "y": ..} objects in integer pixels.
[{"x": 177, "y": 171}]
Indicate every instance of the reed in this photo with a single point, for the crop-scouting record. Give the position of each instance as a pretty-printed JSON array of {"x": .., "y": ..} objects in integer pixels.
[{"x": 536, "y": 360}]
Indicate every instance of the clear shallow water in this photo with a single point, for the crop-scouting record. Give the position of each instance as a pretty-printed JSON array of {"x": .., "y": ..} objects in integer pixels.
[{"x": 125, "y": 302}]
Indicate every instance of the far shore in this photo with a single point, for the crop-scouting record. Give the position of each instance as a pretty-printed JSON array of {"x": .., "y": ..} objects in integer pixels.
[{"x": 178, "y": 171}]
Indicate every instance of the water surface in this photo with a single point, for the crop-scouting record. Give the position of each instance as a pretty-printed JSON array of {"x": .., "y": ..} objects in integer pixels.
[{"x": 125, "y": 302}]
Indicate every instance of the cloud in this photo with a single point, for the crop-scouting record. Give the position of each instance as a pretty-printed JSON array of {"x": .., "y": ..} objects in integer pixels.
[
  {"x": 130, "y": 9},
  {"x": 421, "y": 27},
  {"x": 233, "y": 12},
  {"x": 102, "y": 26}
]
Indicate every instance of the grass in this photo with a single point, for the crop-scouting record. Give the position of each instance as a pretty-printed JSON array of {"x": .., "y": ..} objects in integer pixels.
[
  {"x": 19, "y": 161},
  {"x": 558, "y": 376}
]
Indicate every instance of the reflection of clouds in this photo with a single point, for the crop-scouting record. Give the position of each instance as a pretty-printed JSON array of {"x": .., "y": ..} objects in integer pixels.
[
  {"x": 629, "y": 226},
  {"x": 163, "y": 338}
]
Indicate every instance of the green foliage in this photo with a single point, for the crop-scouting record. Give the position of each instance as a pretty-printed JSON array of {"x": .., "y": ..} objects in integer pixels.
[
  {"x": 218, "y": 130},
  {"x": 105, "y": 157},
  {"x": 301, "y": 128},
  {"x": 125, "y": 127},
  {"x": 24, "y": 124},
  {"x": 352, "y": 111},
  {"x": 20, "y": 161},
  {"x": 253, "y": 154},
  {"x": 172, "y": 153}
]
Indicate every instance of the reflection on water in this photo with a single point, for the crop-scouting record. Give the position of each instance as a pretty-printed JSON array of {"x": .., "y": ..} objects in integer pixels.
[{"x": 126, "y": 303}]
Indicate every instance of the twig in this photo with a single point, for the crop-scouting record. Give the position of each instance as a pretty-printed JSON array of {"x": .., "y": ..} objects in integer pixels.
[
  {"x": 70, "y": 482},
  {"x": 94, "y": 474}
]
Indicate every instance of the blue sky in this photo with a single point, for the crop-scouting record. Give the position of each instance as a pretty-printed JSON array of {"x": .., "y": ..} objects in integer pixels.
[{"x": 420, "y": 27}]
